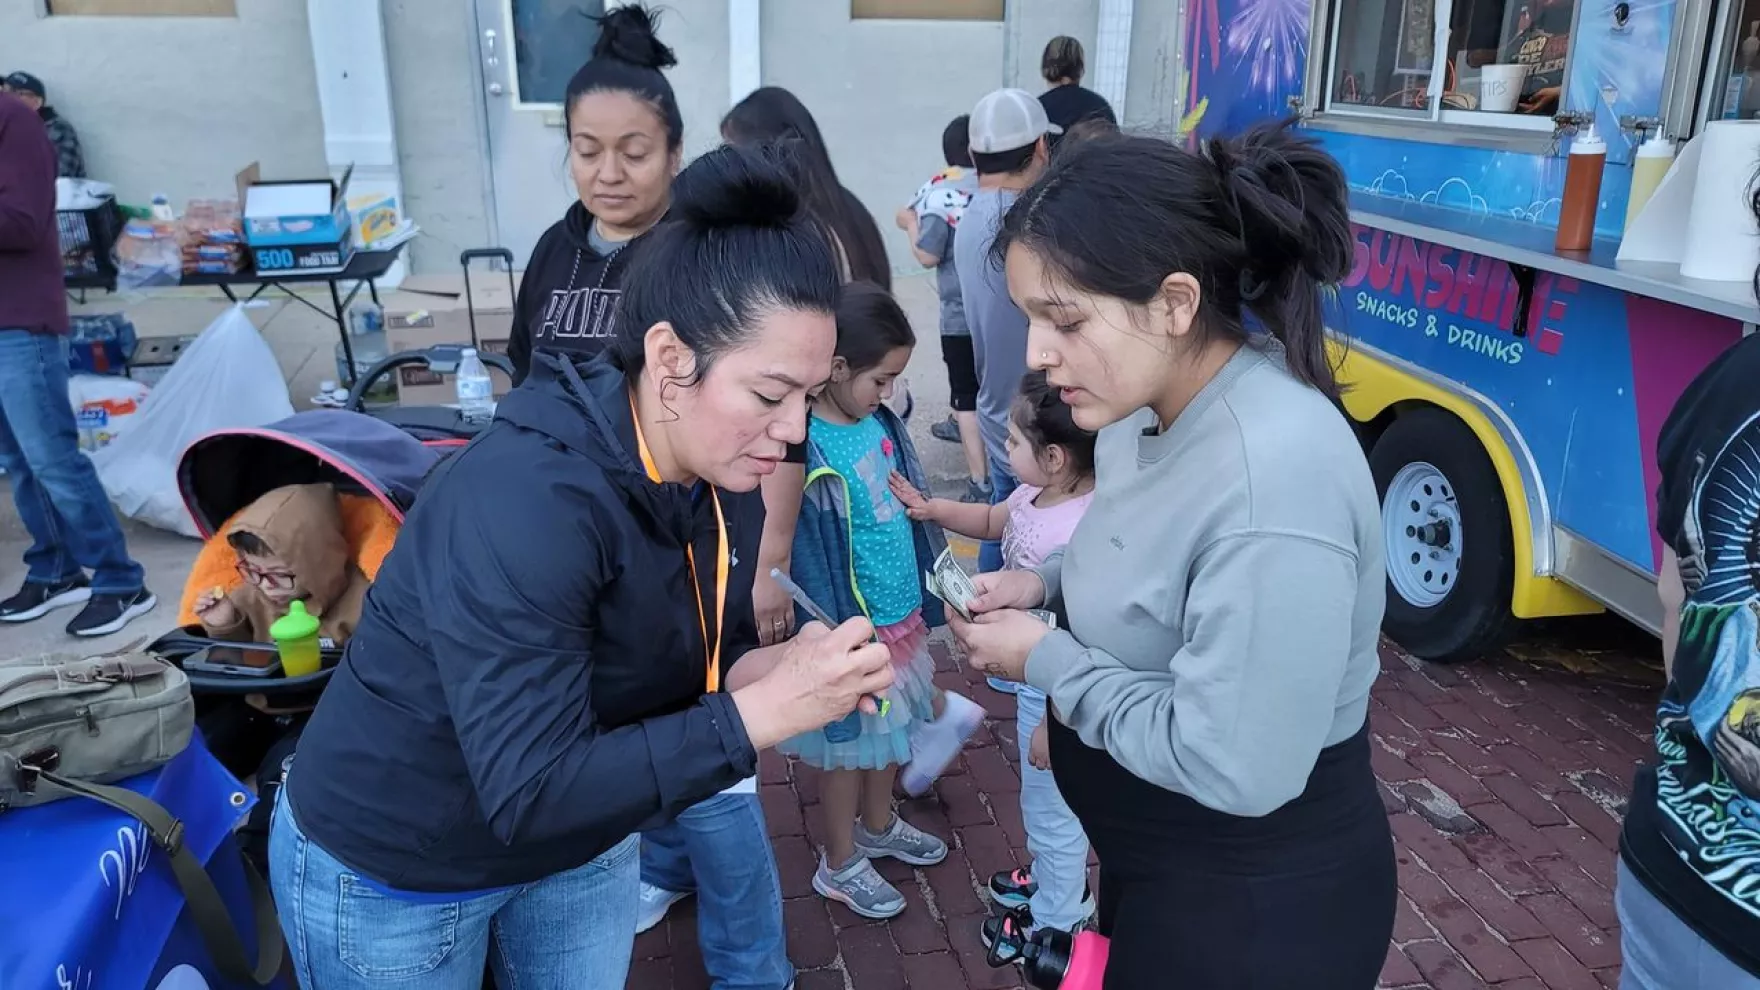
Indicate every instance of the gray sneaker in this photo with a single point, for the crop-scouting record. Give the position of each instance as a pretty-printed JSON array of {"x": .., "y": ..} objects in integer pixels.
[
  {"x": 860, "y": 888},
  {"x": 903, "y": 842}
]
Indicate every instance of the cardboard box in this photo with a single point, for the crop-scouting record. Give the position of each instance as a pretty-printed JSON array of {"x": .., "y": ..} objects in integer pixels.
[
  {"x": 430, "y": 310},
  {"x": 297, "y": 225},
  {"x": 154, "y": 356},
  {"x": 373, "y": 217}
]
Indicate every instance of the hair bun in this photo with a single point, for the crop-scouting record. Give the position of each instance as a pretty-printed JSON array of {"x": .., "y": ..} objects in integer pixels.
[
  {"x": 627, "y": 34},
  {"x": 1291, "y": 199},
  {"x": 736, "y": 186}
]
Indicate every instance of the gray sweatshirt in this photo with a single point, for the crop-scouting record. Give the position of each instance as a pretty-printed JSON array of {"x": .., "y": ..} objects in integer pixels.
[{"x": 1223, "y": 592}]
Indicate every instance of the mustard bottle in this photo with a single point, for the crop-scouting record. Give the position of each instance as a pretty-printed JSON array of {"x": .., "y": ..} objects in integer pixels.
[{"x": 296, "y": 640}]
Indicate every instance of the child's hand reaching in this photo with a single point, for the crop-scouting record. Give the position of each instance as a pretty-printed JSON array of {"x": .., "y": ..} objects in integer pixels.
[
  {"x": 215, "y": 609},
  {"x": 1039, "y": 748},
  {"x": 916, "y": 505}
]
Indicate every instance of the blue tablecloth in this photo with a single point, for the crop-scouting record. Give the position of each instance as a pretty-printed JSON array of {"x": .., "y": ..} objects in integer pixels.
[{"x": 87, "y": 902}]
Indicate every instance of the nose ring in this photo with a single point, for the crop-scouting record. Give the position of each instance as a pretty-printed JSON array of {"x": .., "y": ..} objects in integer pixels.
[{"x": 1044, "y": 355}]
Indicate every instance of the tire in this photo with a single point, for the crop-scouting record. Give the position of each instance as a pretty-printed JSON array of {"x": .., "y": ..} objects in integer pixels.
[{"x": 1445, "y": 527}]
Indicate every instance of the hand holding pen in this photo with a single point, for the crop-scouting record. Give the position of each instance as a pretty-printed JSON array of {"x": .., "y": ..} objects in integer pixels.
[{"x": 881, "y": 705}]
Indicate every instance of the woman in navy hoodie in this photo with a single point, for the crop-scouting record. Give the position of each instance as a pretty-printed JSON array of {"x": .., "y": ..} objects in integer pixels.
[
  {"x": 546, "y": 663},
  {"x": 625, "y": 141}
]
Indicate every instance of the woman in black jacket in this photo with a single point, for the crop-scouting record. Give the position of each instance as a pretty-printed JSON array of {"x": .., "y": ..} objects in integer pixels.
[
  {"x": 545, "y": 665},
  {"x": 625, "y": 140}
]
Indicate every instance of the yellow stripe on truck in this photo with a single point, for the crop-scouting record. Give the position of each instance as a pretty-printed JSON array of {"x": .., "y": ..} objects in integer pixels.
[{"x": 1374, "y": 387}]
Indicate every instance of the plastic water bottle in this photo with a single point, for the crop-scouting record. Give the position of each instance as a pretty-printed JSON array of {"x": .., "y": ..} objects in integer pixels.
[{"x": 476, "y": 391}]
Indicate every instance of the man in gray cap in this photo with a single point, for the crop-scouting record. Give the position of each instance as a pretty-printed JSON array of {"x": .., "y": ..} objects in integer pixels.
[
  {"x": 70, "y": 162},
  {"x": 1008, "y": 135}
]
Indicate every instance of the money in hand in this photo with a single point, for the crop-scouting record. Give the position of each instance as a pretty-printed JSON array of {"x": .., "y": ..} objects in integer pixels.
[{"x": 950, "y": 583}]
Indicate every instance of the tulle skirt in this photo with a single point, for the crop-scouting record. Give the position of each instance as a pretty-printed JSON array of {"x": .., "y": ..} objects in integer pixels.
[{"x": 885, "y": 739}]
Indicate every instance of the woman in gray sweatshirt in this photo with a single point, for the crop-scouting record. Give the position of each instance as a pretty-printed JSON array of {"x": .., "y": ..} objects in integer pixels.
[{"x": 1221, "y": 599}]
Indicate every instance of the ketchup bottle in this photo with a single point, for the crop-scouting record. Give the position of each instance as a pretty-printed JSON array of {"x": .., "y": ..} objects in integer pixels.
[{"x": 1582, "y": 190}]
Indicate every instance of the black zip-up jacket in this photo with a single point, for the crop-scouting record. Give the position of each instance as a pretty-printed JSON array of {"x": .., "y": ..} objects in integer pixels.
[
  {"x": 526, "y": 686},
  {"x": 567, "y": 295}
]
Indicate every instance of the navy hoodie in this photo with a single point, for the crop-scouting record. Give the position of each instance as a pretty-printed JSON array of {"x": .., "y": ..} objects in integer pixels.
[
  {"x": 567, "y": 295},
  {"x": 526, "y": 686}
]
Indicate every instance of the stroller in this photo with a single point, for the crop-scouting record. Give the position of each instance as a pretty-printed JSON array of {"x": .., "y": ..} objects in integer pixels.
[
  {"x": 437, "y": 426},
  {"x": 251, "y": 723}
]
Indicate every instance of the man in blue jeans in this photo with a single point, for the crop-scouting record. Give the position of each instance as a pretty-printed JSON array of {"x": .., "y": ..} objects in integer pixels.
[
  {"x": 59, "y": 499},
  {"x": 720, "y": 851}
]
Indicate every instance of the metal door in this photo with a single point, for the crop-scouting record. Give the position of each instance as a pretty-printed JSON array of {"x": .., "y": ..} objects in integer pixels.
[{"x": 529, "y": 49}]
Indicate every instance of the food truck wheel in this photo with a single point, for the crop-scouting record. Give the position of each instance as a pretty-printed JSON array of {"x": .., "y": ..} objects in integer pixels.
[{"x": 1450, "y": 563}]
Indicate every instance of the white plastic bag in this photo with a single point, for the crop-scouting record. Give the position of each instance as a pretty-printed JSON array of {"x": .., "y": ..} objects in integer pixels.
[
  {"x": 227, "y": 377},
  {"x": 103, "y": 405}
]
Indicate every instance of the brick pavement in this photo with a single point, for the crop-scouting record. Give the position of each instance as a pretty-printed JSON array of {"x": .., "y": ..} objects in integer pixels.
[{"x": 1504, "y": 782}]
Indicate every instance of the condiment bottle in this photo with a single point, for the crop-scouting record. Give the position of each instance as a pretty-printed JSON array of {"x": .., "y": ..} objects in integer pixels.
[
  {"x": 1582, "y": 190},
  {"x": 1648, "y": 167},
  {"x": 296, "y": 640}
]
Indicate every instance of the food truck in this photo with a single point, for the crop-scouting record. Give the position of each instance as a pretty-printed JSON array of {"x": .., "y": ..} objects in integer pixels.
[{"x": 1508, "y": 394}]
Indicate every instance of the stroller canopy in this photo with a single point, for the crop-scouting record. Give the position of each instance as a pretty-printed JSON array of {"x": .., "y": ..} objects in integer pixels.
[{"x": 226, "y": 471}]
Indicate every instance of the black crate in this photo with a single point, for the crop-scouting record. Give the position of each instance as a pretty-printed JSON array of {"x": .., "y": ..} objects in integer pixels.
[{"x": 88, "y": 240}]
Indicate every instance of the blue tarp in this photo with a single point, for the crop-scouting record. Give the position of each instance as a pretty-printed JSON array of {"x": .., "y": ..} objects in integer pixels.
[{"x": 87, "y": 902}]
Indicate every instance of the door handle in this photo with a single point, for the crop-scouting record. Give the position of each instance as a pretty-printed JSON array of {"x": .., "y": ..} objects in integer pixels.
[{"x": 491, "y": 62}]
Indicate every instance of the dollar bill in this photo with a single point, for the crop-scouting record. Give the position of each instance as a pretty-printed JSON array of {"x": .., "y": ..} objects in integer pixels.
[
  {"x": 1044, "y": 615},
  {"x": 950, "y": 583}
]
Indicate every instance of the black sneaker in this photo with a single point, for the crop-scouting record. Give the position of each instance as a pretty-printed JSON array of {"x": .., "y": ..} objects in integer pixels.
[
  {"x": 947, "y": 429},
  {"x": 106, "y": 614},
  {"x": 1012, "y": 889},
  {"x": 976, "y": 494},
  {"x": 34, "y": 601}
]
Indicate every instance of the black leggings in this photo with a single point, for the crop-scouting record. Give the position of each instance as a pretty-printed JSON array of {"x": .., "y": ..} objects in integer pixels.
[{"x": 1191, "y": 897}]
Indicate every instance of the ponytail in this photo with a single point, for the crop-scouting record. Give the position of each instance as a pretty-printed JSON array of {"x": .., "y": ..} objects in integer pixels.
[{"x": 1261, "y": 221}]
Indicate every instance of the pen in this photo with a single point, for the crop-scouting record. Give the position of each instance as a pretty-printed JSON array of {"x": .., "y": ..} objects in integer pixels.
[{"x": 800, "y": 598}]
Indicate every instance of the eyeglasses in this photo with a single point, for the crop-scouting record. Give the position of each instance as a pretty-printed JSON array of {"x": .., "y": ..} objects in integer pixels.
[{"x": 266, "y": 580}]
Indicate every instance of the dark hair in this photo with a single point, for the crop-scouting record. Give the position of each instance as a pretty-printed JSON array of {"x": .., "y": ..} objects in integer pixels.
[
  {"x": 627, "y": 58},
  {"x": 870, "y": 325},
  {"x": 1063, "y": 59},
  {"x": 773, "y": 115},
  {"x": 956, "y": 141},
  {"x": 1086, "y": 129},
  {"x": 735, "y": 245},
  {"x": 1262, "y": 221},
  {"x": 245, "y": 541},
  {"x": 1005, "y": 162},
  {"x": 1046, "y": 419}
]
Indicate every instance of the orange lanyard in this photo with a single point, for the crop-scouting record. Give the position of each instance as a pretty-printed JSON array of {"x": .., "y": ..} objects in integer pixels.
[{"x": 723, "y": 563}]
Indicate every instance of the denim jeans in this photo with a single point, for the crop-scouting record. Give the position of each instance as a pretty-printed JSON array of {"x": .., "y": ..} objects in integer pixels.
[
  {"x": 569, "y": 931},
  {"x": 59, "y": 498},
  {"x": 1055, "y": 838},
  {"x": 1002, "y": 485},
  {"x": 1659, "y": 950},
  {"x": 720, "y": 849}
]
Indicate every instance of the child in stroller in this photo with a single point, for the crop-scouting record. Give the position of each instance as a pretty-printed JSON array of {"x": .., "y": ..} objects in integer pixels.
[{"x": 369, "y": 470}]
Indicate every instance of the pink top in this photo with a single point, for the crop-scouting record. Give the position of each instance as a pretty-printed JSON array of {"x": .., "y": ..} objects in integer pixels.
[{"x": 1034, "y": 533}]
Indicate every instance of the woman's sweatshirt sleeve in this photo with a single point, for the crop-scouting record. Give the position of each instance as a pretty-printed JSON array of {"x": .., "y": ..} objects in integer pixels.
[
  {"x": 519, "y": 336},
  {"x": 1235, "y": 718},
  {"x": 514, "y": 644}
]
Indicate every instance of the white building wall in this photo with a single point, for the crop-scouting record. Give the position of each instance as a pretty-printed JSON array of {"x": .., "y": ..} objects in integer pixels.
[{"x": 177, "y": 104}]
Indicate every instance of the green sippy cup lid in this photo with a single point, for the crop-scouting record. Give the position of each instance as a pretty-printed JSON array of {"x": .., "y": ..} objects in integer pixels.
[{"x": 296, "y": 624}]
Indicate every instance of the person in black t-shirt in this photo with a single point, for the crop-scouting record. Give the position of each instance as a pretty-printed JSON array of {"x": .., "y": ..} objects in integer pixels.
[
  {"x": 1689, "y": 878},
  {"x": 1067, "y": 103}
]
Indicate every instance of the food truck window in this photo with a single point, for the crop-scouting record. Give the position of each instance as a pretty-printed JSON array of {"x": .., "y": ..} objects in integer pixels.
[
  {"x": 1736, "y": 81},
  {"x": 1474, "y": 63}
]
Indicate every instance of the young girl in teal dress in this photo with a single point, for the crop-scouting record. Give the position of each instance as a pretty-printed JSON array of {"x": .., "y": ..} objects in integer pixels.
[{"x": 857, "y": 552}]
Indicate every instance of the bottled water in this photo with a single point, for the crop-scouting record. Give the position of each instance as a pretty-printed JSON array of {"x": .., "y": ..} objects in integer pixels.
[{"x": 476, "y": 392}]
